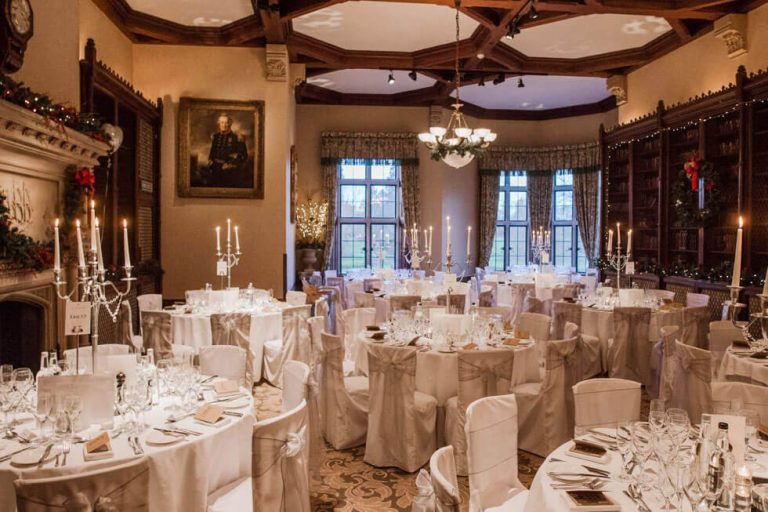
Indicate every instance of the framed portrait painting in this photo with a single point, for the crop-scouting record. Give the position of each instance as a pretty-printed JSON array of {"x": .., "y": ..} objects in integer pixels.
[{"x": 220, "y": 149}]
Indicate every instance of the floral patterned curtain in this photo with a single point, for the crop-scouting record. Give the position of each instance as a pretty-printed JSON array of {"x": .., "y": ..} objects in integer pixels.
[
  {"x": 489, "y": 208},
  {"x": 586, "y": 192},
  {"x": 545, "y": 159},
  {"x": 540, "y": 198},
  {"x": 337, "y": 146}
]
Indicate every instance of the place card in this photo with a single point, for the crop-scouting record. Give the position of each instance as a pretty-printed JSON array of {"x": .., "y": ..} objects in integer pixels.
[
  {"x": 77, "y": 318},
  {"x": 225, "y": 387},
  {"x": 591, "y": 501},
  {"x": 589, "y": 451},
  {"x": 98, "y": 448},
  {"x": 209, "y": 414}
]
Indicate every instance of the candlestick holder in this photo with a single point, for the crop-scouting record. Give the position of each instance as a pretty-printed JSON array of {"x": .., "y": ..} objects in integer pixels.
[
  {"x": 618, "y": 262},
  {"x": 416, "y": 258},
  {"x": 539, "y": 248},
  {"x": 229, "y": 260},
  {"x": 93, "y": 288},
  {"x": 761, "y": 317}
]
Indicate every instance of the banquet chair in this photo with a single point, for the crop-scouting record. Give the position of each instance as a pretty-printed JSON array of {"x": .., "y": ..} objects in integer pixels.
[
  {"x": 235, "y": 329},
  {"x": 445, "y": 482},
  {"x": 321, "y": 307},
  {"x": 504, "y": 312},
  {"x": 537, "y": 325},
  {"x": 127, "y": 337},
  {"x": 481, "y": 374},
  {"x": 149, "y": 302},
  {"x": 588, "y": 282},
  {"x": 330, "y": 274},
  {"x": 722, "y": 333},
  {"x": 696, "y": 326},
  {"x": 363, "y": 300},
  {"x": 546, "y": 408},
  {"x": 458, "y": 302},
  {"x": 402, "y": 303},
  {"x": 534, "y": 305},
  {"x": 355, "y": 321},
  {"x": 156, "y": 333},
  {"x": 563, "y": 312},
  {"x": 124, "y": 487},
  {"x": 686, "y": 378},
  {"x": 338, "y": 282},
  {"x": 294, "y": 298},
  {"x": 492, "y": 432},
  {"x": 371, "y": 285},
  {"x": 629, "y": 351},
  {"x": 295, "y": 343},
  {"x": 696, "y": 300},
  {"x": 280, "y": 469},
  {"x": 401, "y": 420},
  {"x": 317, "y": 325},
  {"x": 227, "y": 361},
  {"x": 661, "y": 294},
  {"x": 344, "y": 406},
  {"x": 299, "y": 384},
  {"x": 753, "y": 397},
  {"x": 588, "y": 351},
  {"x": 487, "y": 297},
  {"x": 86, "y": 358},
  {"x": 604, "y": 402}
]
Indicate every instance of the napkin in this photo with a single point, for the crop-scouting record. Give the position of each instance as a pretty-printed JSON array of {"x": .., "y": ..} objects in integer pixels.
[
  {"x": 519, "y": 333},
  {"x": 372, "y": 328},
  {"x": 378, "y": 335},
  {"x": 98, "y": 448},
  {"x": 209, "y": 414},
  {"x": 469, "y": 346},
  {"x": 763, "y": 354},
  {"x": 739, "y": 344},
  {"x": 512, "y": 342},
  {"x": 412, "y": 343},
  {"x": 225, "y": 388}
]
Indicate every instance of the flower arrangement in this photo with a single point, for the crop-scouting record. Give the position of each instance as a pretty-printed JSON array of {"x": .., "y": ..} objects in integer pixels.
[
  {"x": 19, "y": 249},
  {"x": 685, "y": 193},
  {"x": 311, "y": 218}
]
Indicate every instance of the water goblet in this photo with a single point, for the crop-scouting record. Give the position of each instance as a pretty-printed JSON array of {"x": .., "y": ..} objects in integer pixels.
[
  {"x": 73, "y": 405},
  {"x": 642, "y": 445},
  {"x": 751, "y": 424},
  {"x": 42, "y": 411},
  {"x": 623, "y": 437}
]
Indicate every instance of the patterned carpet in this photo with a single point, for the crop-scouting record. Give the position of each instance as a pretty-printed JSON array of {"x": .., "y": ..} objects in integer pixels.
[{"x": 348, "y": 484}]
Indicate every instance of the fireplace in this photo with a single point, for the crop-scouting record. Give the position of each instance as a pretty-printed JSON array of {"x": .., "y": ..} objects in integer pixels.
[{"x": 22, "y": 336}]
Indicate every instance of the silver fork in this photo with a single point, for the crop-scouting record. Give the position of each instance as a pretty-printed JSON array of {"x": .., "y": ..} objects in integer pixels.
[{"x": 65, "y": 452}]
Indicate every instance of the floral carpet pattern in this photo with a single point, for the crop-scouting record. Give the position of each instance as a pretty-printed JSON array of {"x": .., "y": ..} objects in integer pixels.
[{"x": 348, "y": 484}]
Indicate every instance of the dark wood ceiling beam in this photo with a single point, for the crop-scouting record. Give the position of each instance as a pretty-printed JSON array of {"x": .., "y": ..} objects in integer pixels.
[
  {"x": 485, "y": 17},
  {"x": 490, "y": 38},
  {"x": 275, "y": 30},
  {"x": 680, "y": 29}
]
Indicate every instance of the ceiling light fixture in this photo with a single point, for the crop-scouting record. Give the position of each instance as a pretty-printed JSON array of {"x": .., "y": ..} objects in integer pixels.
[
  {"x": 480, "y": 55},
  {"x": 457, "y": 144},
  {"x": 391, "y": 78},
  {"x": 412, "y": 75},
  {"x": 533, "y": 14},
  {"x": 520, "y": 83},
  {"x": 499, "y": 79}
]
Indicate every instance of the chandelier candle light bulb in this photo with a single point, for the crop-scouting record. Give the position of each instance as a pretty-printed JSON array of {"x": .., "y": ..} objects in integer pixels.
[
  {"x": 469, "y": 237},
  {"x": 93, "y": 225},
  {"x": 80, "y": 252},
  {"x": 610, "y": 240},
  {"x": 237, "y": 239},
  {"x": 126, "y": 250},
  {"x": 99, "y": 257},
  {"x": 448, "y": 243},
  {"x": 56, "y": 248}
]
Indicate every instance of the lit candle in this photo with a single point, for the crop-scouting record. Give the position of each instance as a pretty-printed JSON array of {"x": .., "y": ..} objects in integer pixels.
[
  {"x": 415, "y": 237},
  {"x": 126, "y": 248},
  {"x": 237, "y": 239},
  {"x": 469, "y": 237},
  {"x": 426, "y": 240},
  {"x": 736, "y": 278},
  {"x": 618, "y": 236},
  {"x": 448, "y": 244},
  {"x": 547, "y": 239},
  {"x": 430, "y": 239},
  {"x": 218, "y": 239},
  {"x": 56, "y": 247},
  {"x": 629, "y": 243},
  {"x": 99, "y": 258},
  {"x": 80, "y": 254},
  {"x": 229, "y": 232},
  {"x": 610, "y": 240},
  {"x": 93, "y": 225}
]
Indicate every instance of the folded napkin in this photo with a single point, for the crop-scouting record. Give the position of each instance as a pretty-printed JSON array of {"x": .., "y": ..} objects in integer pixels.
[
  {"x": 739, "y": 344},
  {"x": 378, "y": 335},
  {"x": 412, "y": 343},
  {"x": 99, "y": 447},
  {"x": 469, "y": 346},
  {"x": 519, "y": 333},
  {"x": 763, "y": 354},
  {"x": 512, "y": 342},
  {"x": 372, "y": 328}
]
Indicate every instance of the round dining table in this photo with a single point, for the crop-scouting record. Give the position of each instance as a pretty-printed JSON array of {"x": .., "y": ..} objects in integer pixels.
[
  {"x": 740, "y": 366},
  {"x": 182, "y": 473},
  {"x": 598, "y": 322}
]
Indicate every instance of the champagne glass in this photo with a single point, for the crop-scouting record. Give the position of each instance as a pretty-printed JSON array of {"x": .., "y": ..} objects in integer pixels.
[
  {"x": 667, "y": 484},
  {"x": 643, "y": 447},
  {"x": 73, "y": 405},
  {"x": 657, "y": 416},
  {"x": 678, "y": 425},
  {"x": 623, "y": 437},
  {"x": 24, "y": 380},
  {"x": 752, "y": 422},
  {"x": 694, "y": 481},
  {"x": 42, "y": 412}
]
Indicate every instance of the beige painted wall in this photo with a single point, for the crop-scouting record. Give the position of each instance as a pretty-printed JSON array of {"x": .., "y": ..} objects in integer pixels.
[
  {"x": 444, "y": 190},
  {"x": 51, "y": 63},
  {"x": 700, "y": 66},
  {"x": 187, "y": 234},
  {"x": 112, "y": 46}
]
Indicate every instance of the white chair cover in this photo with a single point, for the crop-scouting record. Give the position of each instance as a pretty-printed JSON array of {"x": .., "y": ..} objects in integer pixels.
[
  {"x": 321, "y": 307},
  {"x": 235, "y": 329},
  {"x": 344, "y": 415},
  {"x": 295, "y": 375},
  {"x": 536, "y": 324},
  {"x": 481, "y": 374},
  {"x": 546, "y": 409},
  {"x": 722, "y": 333},
  {"x": 401, "y": 420},
  {"x": 691, "y": 388},
  {"x": 370, "y": 285},
  {"x": 339, "y": 284},
  {"x": 491, "y": 431},
  {"x": 299, "y": 384},
  {"x": 123, "y": 488},
  {"x": 127, "y": 337},
  {"x": 604, "y": 403},
  {"x": 458, "y": 303},
  {"x": 316, "y": 327},
  {"x": 363, "y": 300},
  {"x": 535, "y": 305},
  {"x": 629, "y": 352},
  {"x": 661, "y": 294},
  {"x": 156, "y": 331},
  {"x": 294, "y": 298},
  {"x": 295, "y": 342},
  {"x": 695, "y": 326},
  {"x": 589, "y": 351},
  {"x": 751, "y": 396},
  {"x": 445, "y": 485},
  {"x": 663, "y": 354},
  {"x": 355, "y": 322},
  {"x": 148, "y": 302},
  {"x": 696, "y": 300},
  {"x": 227, "y": 361}
]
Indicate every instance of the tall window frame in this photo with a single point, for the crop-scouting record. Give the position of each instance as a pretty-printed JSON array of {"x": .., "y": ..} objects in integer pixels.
[
  {"x": 511, "y": 241},
  {"x": 368, "y": 210},
  {"x": 567, "y": 247}
]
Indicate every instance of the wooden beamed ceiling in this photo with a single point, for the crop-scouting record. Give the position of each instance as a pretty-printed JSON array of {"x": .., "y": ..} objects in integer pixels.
[{"x": 482, "y": 54}]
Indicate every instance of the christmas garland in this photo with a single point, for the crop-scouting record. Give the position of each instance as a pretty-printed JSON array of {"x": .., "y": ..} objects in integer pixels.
[
  {"x": 19, "y": 249},
  {"x": 685, "y": 193}
]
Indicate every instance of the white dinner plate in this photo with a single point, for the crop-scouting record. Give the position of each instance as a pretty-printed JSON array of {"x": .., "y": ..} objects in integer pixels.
[
  {"x": 32, "y": 457},
  {"x": 219, "y": 424},
  {"x": 446, "y": 350},
  {"x": 158, "y": 438},
  {"x": 236, "y": 404}
]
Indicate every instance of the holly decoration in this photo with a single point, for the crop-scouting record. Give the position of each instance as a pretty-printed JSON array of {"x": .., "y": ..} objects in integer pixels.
[
  {"x": 695, "y": 174},
  {"x": 19, "y": 249}
]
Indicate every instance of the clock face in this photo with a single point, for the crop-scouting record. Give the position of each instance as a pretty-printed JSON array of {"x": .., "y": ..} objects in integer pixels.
[{"x": 20, "y": 16}]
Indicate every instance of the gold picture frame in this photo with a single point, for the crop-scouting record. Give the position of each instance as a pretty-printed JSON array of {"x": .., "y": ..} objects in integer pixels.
[{"x": 220, "y": 149}]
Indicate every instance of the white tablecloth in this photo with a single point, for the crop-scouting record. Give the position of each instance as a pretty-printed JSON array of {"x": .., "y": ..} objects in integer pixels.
[
  {"x": 182, "y": 475},
  {"x": 742, "y": 368}
]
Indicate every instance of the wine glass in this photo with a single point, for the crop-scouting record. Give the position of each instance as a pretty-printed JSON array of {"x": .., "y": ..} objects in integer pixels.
[
  {"x": 643, "y": 447},
  {"x": 668, "y": 476},
  {"x": 73, "y": 405},
  {"x": 42, "y": 412},
  {"x": 623, "y": 441},
  {"x": 657, "y": 416},
  {"x": 751, "y": 423},
  {"x": 678, "y": 425},
  {"x": 24, "y": 380},
  {"x": 694, "y": 480}
]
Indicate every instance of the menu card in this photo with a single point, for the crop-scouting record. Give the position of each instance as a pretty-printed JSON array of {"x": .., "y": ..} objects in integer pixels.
[
  {"x": 591, "y": 501},
  {"x": 209, "y": 413},
  {"x": 226, "y": 387},
  {"x": 98, "y": 448}
]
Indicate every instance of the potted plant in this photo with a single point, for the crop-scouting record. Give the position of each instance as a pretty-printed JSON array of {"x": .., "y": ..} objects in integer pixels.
[{"x": 311, "y": 218}]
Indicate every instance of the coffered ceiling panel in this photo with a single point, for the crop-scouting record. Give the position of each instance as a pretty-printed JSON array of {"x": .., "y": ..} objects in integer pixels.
[
  {"x": 383, "y": 26},
  {"x": 585, "y": 36},
  {"x": 196, "y": 13},
  {"x": 369, "y": 81},
  {"x": 539, "y": 93}
]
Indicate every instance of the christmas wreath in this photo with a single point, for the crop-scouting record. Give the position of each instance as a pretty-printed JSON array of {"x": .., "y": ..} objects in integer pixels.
[{"x": 695, "y": 175}]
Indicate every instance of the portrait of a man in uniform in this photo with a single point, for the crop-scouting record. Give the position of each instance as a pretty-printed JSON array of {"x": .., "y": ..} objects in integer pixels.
[{"x": 221, "y": 147}]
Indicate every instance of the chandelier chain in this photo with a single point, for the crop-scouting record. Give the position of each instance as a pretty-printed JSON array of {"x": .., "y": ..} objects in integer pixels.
[{"x": 457, "y": 76}]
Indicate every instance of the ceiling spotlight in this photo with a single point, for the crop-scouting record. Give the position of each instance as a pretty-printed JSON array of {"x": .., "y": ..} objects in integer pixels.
[
  {"x": 481, "y": 83},
  {"x": 499, "y": 79},
  {"x": 391, "y": 78},
  {"x": 412, "y": 75},
  {"x": 512, "y": 30},
  {"x": 533, "y": 13},
  {"x": 480, "y": 55},
  {"x": 520, "y": 83}
]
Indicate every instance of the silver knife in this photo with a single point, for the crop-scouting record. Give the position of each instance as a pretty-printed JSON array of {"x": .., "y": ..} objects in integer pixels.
[
  {"x": 10, "y": 455},
  {"x": 45, "y": 454}
]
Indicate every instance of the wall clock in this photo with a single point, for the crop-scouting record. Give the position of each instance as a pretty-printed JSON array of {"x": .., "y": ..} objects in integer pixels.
[{"x": 15, "y": 31}]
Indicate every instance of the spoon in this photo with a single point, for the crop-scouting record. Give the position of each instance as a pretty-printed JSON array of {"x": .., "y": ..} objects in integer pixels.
[{"x": 638, "y": 495}]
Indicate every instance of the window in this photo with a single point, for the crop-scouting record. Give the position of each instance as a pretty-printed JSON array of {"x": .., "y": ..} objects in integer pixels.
[
  {"x": 368, "y": 206},
  {"x": 510, "y": 245}
]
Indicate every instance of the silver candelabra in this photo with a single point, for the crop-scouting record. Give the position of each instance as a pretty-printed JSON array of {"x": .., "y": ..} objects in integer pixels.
[
  {"x": 618, "y": 262},
  {"x": 416, "y": 259},
  {"x": 540, "y": 247},
  {"x": 381, "y": 247},
  {"x": 227, "y": 260}
]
